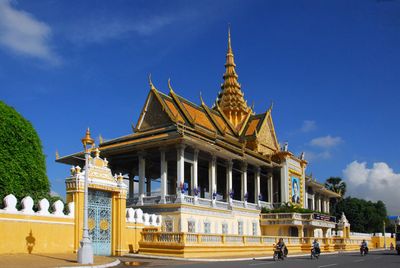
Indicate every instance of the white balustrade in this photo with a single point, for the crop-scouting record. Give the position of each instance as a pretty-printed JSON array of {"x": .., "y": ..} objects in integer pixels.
[
  {"x": 138, "y": 215},
  {"x": 44, "y": 207},
  {"x": 153, "y": 218},
  {"x": 58, "y": 208},
  {"x": 233, "y": 239},
  {"x": 27, "y": 205},
  {"x": 10, "y": 202},
  {"x": 130, "y": 215},
  {"x": 146, "y": 219}
]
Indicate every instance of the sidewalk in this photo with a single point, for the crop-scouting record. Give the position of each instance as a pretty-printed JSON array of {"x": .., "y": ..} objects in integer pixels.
[{"x": 49, "y": 260}]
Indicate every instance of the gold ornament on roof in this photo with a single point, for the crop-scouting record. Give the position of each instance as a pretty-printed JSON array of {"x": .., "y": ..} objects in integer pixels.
[
  {"x": 87, "y": 140},
  {"x": 231, "y": 98}
]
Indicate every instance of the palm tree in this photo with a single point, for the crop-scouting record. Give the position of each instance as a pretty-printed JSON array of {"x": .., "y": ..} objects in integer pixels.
[{"x": 336, "y": 184}]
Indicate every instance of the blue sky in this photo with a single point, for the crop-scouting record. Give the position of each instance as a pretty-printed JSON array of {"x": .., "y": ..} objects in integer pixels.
[{"x": 330, "y": 67}]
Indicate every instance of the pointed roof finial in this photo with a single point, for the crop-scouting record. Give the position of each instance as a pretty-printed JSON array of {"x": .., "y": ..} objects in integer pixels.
[
  {"x": 230, "y": 99},
  {"x": 201, "y": 98},
  {"x": 151, "y": 82},
  {"x": 229, "y": 38},
  {"x": 169, "y": 85}
]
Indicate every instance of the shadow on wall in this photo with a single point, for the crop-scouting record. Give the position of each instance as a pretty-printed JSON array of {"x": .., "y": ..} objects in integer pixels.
[{"x": 30, "y": 242}]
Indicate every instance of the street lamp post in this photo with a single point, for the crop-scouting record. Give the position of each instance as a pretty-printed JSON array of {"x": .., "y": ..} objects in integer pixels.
[
  {"x": 85, "y": 252},
  {"x": 384, "y": 235}
]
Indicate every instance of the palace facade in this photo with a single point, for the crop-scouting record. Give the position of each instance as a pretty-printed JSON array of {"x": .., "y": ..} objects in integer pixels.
[{"x": 216, "y": 167}]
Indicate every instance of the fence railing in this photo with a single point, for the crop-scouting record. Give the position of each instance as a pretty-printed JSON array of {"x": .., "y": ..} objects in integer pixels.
[
  {"x": 181, "y": 238},
  {"x": 298, "y": 216}
]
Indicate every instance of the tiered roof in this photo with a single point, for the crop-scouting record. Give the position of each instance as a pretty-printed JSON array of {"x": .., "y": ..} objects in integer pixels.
[{"x": 229, "y": 124}]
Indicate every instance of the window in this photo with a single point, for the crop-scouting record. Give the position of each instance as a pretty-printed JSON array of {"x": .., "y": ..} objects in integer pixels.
[
  {"x": 254, "y": 225},
  {"x": 169, "y": 226},
  {"x": 240, "y": 228},
  {"x": 191, "y": 226},
  {"x": 207, "y": 228},
  {"x": 224, "y": 228}
]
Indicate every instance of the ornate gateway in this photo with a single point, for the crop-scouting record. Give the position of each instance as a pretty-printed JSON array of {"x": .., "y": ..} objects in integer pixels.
[{"x": 99, "y": 205}]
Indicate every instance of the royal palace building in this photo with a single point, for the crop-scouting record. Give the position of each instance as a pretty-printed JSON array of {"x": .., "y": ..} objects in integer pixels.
[{"x": 211, "y": 169}]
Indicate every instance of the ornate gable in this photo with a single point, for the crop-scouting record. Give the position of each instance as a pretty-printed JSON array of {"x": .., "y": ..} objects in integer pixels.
[
  {"x": 266, "y": 137},
  {"x": 154, "y": 113},
  {"x": 260, "y": 135}
]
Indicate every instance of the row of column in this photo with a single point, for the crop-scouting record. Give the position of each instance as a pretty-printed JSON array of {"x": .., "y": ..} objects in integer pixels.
[
  {"x": 318, "y": 203},
  {"x": 194, "y": 176}
]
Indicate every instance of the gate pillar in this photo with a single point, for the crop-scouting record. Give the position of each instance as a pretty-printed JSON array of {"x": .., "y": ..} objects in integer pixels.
[{"x": 101, "y": 179}]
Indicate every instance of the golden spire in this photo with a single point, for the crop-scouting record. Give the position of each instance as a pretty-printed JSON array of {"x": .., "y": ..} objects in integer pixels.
[{"x": 230, "y": 98}]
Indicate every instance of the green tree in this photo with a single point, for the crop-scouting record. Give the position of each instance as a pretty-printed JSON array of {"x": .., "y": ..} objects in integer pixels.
[
  {"x": 22, "y": 163},
  {"x": 336, "y": 184},
  {"x": 364, "y": 216}
]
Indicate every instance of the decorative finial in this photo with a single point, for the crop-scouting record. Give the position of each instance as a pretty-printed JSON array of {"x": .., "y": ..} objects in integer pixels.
[
  {"x": 229, "y": 38},
  {"x": 57, "y": 155},
  {"x": 271, "y": 106},
  {"x": 201, "y": 98},
  {"x": 169, "y": 85},
  {"x": 87, "y": 140},
  {"x": 101, "y": 140},
  {"x": 151, "y": 83}
]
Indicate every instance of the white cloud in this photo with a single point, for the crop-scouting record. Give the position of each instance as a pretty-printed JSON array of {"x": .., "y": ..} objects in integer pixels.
[
  {"x": 21, "y": 33},
  {"x": 326, "y": 142},
  {"x": 308, "y": 126},
  {"x": 377, "y": 183},
  {"x": 98, "y": 30},
  {"x": 312, "y": 156},
  {"x": 54, "y": 193}
]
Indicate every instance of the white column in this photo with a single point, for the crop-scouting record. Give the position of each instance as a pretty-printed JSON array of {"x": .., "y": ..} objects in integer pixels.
[
  {"x": 180, "y": 156},
  {"x": 313, "y": 201},
  {"x": 195, "y": 168},
  {"x": 270, "y": 189},
  {"x": 164, "y": 170},
  {"x": 142, "y": 175},
  {"x": 319, "y": 203},
  {"x": 244, "y": 180},
  {"x": 212, "y": 176},
  {"x": 328, "y": 206},
  {"x": 257, "y": 185},
  {"x": 284, "y": 182},
  {"x": 229, "y": 187}
]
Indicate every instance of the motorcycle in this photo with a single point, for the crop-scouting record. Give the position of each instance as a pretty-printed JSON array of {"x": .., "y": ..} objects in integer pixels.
[
  {"x": 363, "y": 250},
  {"x": 315, "y": 252},
  {"x": 279, "y": 254}
]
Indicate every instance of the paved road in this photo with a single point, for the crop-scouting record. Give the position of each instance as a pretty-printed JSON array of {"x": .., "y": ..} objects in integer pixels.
[{"x": 379, "y": 259}]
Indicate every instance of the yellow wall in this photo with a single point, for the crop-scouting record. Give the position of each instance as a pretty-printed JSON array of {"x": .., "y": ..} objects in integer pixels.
[
  {"x": 36, "y": 234},
  {"x": 378, "y": 242},
  {"x": 132, "y": 237}
]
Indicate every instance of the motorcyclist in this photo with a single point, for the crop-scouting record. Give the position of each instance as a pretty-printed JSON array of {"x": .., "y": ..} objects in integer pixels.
[
  {"x": 364, "y": 246},
  {"x": 315, "y": 246},
  {"x": 281, "y": 246}
]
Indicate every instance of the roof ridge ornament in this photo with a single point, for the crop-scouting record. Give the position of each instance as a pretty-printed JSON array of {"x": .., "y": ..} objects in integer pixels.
[
  {"x": 169, "y": 86},
  {"x": 152, "y": 87}
]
